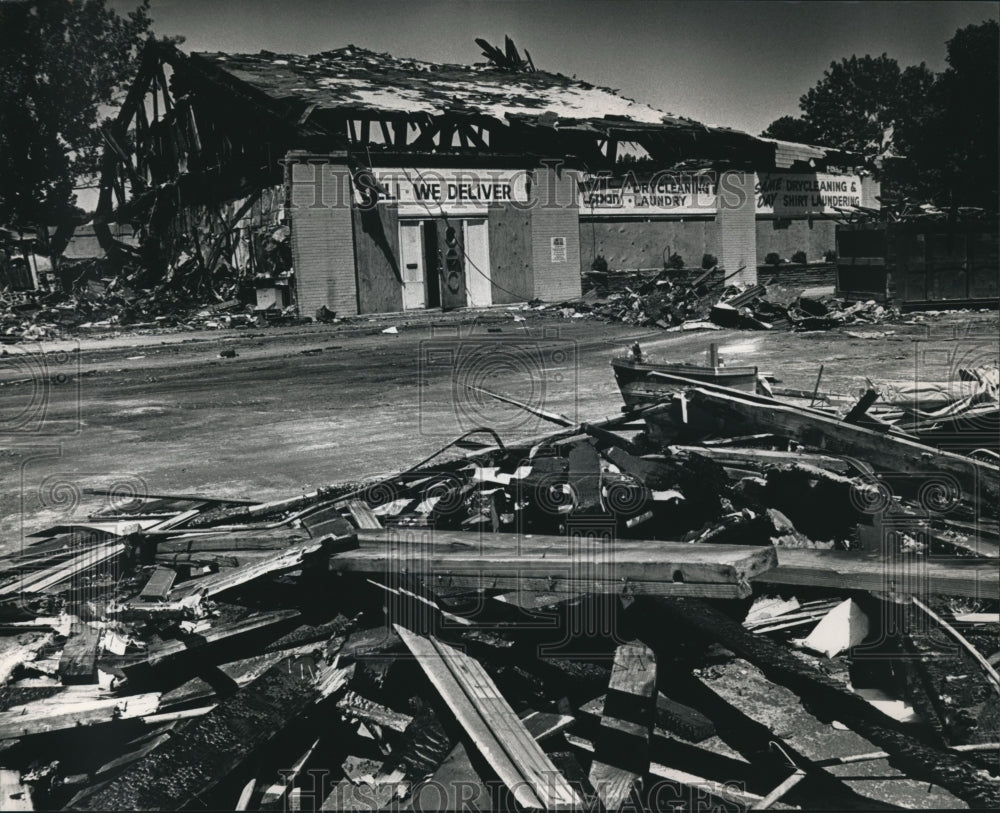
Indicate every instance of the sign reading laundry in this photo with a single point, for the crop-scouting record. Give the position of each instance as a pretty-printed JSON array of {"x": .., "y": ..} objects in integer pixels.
[
  {"x": 789, "y": 194},
  {"x": 431, "y": 192},
  {"x": 670, "y": 193}
]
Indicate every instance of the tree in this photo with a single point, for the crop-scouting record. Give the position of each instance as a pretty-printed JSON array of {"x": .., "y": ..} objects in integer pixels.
[
  {"x": 930, "y": 137},
  {"x": 964, "y": 135},
  {"x": 61, "y": 64},
  {"x": 790, "y": 128},
  {"x": 858, "y": 101}
]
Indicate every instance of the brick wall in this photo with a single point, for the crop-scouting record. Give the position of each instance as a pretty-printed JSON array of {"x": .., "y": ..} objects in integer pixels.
[
  {"x": 323, "y": 238},
  {"x": 738, "y": 223},
  {"x": 556, "y": 214}
]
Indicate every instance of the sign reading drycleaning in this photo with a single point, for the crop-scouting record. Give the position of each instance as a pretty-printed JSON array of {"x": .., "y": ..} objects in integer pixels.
[
  {"x": 432, "y": 192},
  {"x": 787, "y": 194},
  {"x": 662, "y": 193}
]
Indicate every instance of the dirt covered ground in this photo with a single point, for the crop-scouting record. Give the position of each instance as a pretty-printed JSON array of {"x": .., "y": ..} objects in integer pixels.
[{"x": 285, "y": 410}]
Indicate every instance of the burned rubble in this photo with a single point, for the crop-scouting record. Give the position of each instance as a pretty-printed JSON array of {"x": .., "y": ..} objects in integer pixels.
[{"x": 435, "y": 638}]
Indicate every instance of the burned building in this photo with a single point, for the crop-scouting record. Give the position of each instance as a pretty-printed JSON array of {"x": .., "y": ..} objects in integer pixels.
[{"x": 390, "y": 184}]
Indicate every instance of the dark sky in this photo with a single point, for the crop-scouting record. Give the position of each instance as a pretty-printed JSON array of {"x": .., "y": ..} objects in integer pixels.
[{"x": 737, "y": 64}]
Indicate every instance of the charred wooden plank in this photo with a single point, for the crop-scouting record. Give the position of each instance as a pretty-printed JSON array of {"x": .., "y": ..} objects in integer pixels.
[
  {"x": 584, "y": 477},
  {"x": 166, "y": 651},
  {"x": 78, "y": 662},
  {"x": 621, "y": 756},
  {"x": 203, "y": 751},
  {"x": 159, "y": 584}
]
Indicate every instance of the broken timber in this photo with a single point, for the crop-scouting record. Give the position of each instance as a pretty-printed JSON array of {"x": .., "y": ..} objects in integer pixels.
[
  {"x": 281, "y": 560},
  {"x": 498, "y": 733},
  {"x": 557, "y": 563},
  {"x": 203, "y": 751},
  {"x": 862, "y": 570},
  {"x": 621, "y": 756},
  {"x": 824, "y": 695},
  {"x": 895, "y": 455}
]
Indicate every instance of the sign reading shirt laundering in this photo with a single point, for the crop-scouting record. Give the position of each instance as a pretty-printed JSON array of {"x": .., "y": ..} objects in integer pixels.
[
  {"x": 432, "y": 192},
  {"x": 786, "y": 194},
  {"x": 662, "y": 193}
]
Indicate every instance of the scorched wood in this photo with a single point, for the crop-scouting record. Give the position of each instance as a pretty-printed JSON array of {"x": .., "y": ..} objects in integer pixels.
[{"x": 201, "y": 752}]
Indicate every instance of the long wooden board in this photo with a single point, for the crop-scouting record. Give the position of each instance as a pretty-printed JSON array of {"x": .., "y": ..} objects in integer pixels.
[
  {"x": 487, "y": 717},
  {"x": 558, "y": 563},
  {"x": 860, "y": 570}
]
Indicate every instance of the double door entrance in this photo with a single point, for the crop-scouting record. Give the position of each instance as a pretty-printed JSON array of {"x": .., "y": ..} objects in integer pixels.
[{"x": 445, "y": 263}]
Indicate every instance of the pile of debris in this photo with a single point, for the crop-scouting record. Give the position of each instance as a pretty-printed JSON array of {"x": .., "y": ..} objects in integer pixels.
[
  {"x": 533, "y": 625},
  {"x": 90, "y": 298},
  {"x": 706, "y": 301}
]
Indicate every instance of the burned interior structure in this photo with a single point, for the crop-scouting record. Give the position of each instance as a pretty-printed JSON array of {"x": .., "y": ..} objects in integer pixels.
[{"x": 390, "y": 184}]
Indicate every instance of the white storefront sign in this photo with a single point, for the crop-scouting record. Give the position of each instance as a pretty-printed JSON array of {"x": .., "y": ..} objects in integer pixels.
[
  {"x": 788, "y": 194},
  {"x": 662, "y": 193},
  {"x": 433, "y": 192}
]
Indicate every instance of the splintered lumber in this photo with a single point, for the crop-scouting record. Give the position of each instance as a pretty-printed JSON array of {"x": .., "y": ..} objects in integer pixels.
[
  {"x": 159, "y": 653},
  {"x": 732, "y": 412},
  {"x": 159, "y": 584},
  {"x": 823, "y": 693},
  {"x": 621, "y": 755},
  {"x": 456, "y": 778},
  {"x": 354, "y": 706},
  {"x": 78, "y": 662},
  {"x": 491, "y": 723},
  {"x": 371, "y": 786},
  {"x": 584, "y": 476},
  {"x": 361, "y": 514},
  {"x": 71, "y": 710},
  {"x": 991, "y": 673},
  {"x": 203, "y": 751},
  {"x": 236, "y": 674},
  {"x": 230, "y": 541},
  {"x": 890, "y": 573},
  {"x": 42, "y": 580},
  {"x": 282, "y": 560},
  {"x": 562, "y": 564}
]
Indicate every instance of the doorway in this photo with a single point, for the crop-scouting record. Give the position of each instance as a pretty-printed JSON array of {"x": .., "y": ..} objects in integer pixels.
[{"x": 445, "y": 263}]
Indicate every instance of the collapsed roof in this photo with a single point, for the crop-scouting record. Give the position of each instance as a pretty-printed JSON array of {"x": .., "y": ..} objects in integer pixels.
[{"x": 352, "y": 78}]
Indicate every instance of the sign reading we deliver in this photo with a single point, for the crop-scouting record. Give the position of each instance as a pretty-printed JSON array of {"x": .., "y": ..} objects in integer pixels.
[
  {"x": 429, "y": 192},
  {"x": 663, "y": 193},
  {"x": 789, "y": 194}
]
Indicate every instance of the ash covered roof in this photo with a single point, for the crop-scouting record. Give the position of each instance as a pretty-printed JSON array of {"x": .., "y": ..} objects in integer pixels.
[{"x": 353, "y": 78}]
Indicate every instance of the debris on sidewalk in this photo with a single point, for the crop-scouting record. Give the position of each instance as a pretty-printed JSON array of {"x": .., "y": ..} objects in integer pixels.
[{"x": 673, "y": 302}]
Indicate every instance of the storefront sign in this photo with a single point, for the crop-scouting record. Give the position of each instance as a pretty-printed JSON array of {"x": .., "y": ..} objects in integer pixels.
[
  {"x": 432, "y": 192},
  {"x": 660, "y": 193},
  {"x": 787, "y": 195}
]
